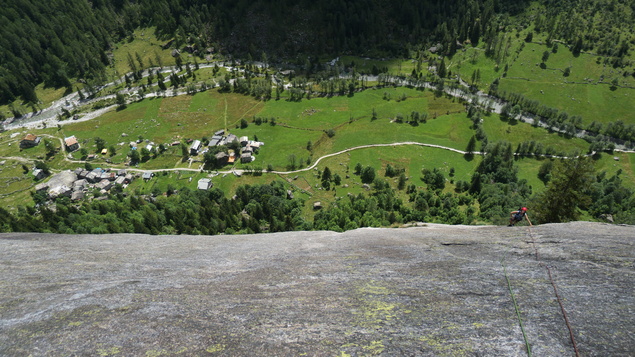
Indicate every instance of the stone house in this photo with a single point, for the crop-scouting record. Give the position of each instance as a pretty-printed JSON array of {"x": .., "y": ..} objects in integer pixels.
[
  {"x": 29, "y": 141},
  {"x": 71, "y": 143}
]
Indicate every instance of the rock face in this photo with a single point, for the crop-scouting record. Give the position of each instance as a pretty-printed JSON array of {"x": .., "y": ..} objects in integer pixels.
[{"x": 422, "y": 291}]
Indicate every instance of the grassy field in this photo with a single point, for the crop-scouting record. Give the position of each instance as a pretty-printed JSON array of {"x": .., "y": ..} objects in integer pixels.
[
  {"x": 163, "y": 120},
  {"x": 587, "y": 91},
  {"x": 516, "y": 132},
  {"x": 144, "y": 43},
  {"x": 410, "y": 158},
  {"x": 46, "y": 95},
  {"x": 396, "y": 66}
]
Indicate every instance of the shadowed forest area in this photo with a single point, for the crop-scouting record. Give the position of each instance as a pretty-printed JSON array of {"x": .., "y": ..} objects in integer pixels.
[{"x": 518, "y": 52}]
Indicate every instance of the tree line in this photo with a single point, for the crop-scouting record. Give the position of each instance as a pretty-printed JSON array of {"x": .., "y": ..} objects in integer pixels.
[
  {"x": 573, "y": 189},
  {"x": 65, "y": 40},
  {"x": 60, "y": 41}
]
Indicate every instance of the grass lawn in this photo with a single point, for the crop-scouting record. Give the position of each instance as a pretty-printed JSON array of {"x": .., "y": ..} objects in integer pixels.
[
  {"x": 586, "y": 92},
  {"x": 528, "y": 169},
  {"x": 15, "y": 185},
  {"x": 624, "y": 162},
  {"x": 516, "y": 132},
  {"x": 410, "y": 158},
  {"x": 395, "y": 66},
  {"x": 467, "y": 62},
  {"x": 448, "y": 130},
  {"x": 280, "y": 144}
]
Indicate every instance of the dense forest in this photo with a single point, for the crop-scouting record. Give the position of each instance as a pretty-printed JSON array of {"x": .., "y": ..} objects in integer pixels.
[
  {"x": 62, "y": 43},
  {"x": 58, "y": 41}
]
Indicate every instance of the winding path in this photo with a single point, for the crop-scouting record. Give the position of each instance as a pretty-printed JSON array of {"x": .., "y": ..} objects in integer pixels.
[
  {"x": 308, "y": 168},
  {"x": 373, "y": 146}
]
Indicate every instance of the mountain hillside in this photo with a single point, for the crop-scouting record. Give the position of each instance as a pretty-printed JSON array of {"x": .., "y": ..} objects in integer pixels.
[{"x": 431, "y": 290}]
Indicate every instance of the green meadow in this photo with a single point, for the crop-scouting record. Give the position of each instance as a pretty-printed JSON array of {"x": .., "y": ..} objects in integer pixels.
[
  {"x": 516, "y": 133},
  {"x": 169, "y": 119},
  {"x": 395, "y": 66},
  {"x": 144, "y": 43},
  {"x": 587, "y": 91}
]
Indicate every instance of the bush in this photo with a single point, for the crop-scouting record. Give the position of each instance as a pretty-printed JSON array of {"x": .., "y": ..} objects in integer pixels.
[{"x": 368, "y": 174}]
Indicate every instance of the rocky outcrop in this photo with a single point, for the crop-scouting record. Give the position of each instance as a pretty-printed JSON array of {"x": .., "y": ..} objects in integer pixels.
[{"x": 422, "y": 291}]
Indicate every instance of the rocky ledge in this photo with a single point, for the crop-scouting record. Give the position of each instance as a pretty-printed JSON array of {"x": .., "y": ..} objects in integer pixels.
[{"x": 432, "y": 290}]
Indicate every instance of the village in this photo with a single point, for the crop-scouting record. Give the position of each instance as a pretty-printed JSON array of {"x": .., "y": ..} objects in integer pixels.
[
  {"x": 241, "y": 148},
  {"x": 77, "y": 184}
]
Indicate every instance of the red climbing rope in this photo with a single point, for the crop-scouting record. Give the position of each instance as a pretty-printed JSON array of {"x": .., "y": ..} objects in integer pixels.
[{"x": 553, "y": 283}]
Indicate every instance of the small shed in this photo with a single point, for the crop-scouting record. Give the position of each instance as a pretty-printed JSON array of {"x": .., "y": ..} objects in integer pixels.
[
  {"x": 317, "y": 205},
  {"x": 246, "y": 157},
  {"x": 104, "y": 151},
  {"x": 244, "y": 140},
  {"x": 92, "y": 177},
  {"x": 29, "y": 141},
  {"x": 215, "y": 141},
  {"x": 71, "y": 143},
  {"x": 205, "y": 184},
  {"x": 222, "y": 157},
  {"x": 60, "y": 191},
  {"x": 39, "y": 174},
  {"x": 147, "y": 175},
  {"x": 196, "y": 145}
]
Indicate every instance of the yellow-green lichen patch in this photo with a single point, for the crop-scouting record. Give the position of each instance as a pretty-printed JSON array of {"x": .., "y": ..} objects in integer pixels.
[
  {"x": 374, "y": 308},
  {"x": 215, "y": 348},
  {"x": 444, "y": 347},
  {"x": 375, "y": 348},
  {"x": 108, "y": 351},
  {"x": 156, "y": 353}
]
